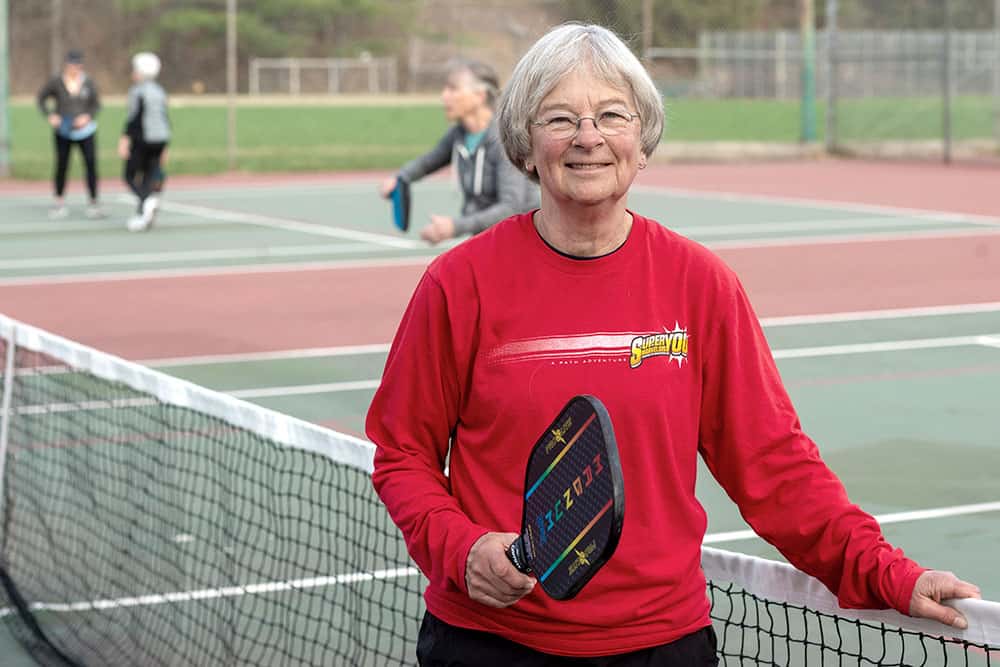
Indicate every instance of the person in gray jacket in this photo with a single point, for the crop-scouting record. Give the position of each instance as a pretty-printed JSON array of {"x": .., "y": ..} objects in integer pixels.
[
  {"x": 143, "y": 143},
  {"x": 492, "y": 189}
]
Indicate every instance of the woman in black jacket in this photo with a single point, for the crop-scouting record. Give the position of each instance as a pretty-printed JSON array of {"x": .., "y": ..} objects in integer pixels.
[{"x": 70, "y": 102}]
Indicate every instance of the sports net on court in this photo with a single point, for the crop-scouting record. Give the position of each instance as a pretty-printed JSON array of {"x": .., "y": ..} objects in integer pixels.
[{"x": 148, "y": 521}]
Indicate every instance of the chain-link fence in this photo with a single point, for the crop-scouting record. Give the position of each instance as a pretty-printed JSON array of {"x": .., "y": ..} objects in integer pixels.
[
  {"x": 894, "y": 82},
  {"x": 891, "y": 77}
]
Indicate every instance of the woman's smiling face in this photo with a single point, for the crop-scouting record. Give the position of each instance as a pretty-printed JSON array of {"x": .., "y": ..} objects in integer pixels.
[{"x": 589, "y": 167}]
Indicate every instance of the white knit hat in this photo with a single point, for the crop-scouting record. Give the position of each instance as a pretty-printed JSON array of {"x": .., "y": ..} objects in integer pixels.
[{"x": 146, "y": 65}]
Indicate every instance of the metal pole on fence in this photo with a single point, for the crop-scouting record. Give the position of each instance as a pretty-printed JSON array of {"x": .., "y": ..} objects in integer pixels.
[
  {"x": 946, "y": 91},
  {"x": 647, "y": 30},
  {"x": 807, "y": 25},
  {"x": 4, "y": 89},
  {"x": 831, "y": 75},
  {"x": 55, "y": 36},
  {"x": 231, "y": 83},
  {"x": 995, "y": 61}
]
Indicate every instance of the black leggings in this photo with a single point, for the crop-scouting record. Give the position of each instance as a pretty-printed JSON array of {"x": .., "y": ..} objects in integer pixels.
[
  {"x": 89, "y": 160},
  {"x": 143, "y": 173},
  {"x": 440, "y": 644}
]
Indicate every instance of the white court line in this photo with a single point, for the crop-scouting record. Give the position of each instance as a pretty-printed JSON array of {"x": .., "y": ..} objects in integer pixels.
[
  {"x": 376, "y": 263},
  {"x": 883, "y": 314},
  {"x": 292, "y": 225},
  {"x": 944, "y": 216},
  {"x": 194, "y": 272},
  {"x": 299, "y": 390},
  {"x": 833, "y": 239},
  {"x": 791, "y": 320},
  {"x": 216, "y": 593},
  {"x": 832, "y": 224},
  {"x": 887, "y": 346},
  {"x": 87, "y": 226},
  {"x": 395, "y": 573},
  {"x": 185, "y": 256},
  {"x": 791, "y": 353},
  {"x": 883, "y": 519},
  {"x": 992, "y": 340},
  {"x": 240, "y": 357},
  {"x": 51, "y": 227}
]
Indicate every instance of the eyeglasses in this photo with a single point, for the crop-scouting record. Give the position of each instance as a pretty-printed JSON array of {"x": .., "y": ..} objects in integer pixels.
[{"x": 608, "y": 123}]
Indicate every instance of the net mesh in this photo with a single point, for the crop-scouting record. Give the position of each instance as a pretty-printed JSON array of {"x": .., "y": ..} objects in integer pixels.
[{"x": 148, "y": 521}]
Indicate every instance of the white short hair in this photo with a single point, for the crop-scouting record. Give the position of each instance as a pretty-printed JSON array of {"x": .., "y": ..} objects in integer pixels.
[
  {"x": 562, "y": 50},
  {"x": 146, "y": 65}
]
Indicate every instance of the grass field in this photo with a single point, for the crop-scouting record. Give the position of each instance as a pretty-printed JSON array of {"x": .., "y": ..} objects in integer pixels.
[{"x": 343, "y": 137}]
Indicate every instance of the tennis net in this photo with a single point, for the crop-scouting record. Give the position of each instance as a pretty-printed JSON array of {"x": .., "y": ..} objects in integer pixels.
[{"x": 149, "y": 521}]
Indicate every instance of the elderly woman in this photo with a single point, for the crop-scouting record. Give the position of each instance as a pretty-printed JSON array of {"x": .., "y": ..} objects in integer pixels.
[
  {"x": 504, "y": 328},
  {"x": 492, "y": 189},
  {"x": 144, "y": 139},
  {"x": 69, "y": 102}
]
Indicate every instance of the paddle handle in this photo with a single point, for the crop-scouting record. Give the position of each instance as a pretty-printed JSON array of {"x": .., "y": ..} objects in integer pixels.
[{"x": 517, "y": 552}]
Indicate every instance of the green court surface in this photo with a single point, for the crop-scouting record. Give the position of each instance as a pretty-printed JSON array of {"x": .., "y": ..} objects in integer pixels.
[
  {"x": 212, "y": 229},
  {"x": 902, "y": 404}
]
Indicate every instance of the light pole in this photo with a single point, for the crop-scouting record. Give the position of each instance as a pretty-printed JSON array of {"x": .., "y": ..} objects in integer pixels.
[
  {"x": 231, "y": 83},
  {"x": 807, "y": 28}
]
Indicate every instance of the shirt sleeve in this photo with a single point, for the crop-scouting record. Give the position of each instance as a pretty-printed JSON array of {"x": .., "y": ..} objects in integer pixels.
[
  {"x": 410, "y": 420},
  {"x": 753, "y": 443},
  {"x": 515, "y": 194},
  {"x": 437, "y": 158},
  {"x": 94, "y": 99},
  {"x": 133, "y": 114},
  {"x": 47, "y": 91}
]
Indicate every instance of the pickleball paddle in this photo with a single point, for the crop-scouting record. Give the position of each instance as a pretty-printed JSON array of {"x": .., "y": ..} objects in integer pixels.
[
  {"x": 400, "y": 197},
  {"x": 574, "y": 500}
]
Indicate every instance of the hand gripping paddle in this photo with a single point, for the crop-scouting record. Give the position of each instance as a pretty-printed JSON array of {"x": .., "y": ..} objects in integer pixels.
[
  {"x": 400, "y": 197},
  {"x": 574, "y": 500}
]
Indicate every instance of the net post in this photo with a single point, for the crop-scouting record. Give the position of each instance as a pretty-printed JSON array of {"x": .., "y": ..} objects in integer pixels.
[
  {"x": 253, "y": 75},
  {"x": 831, "y": 76},
  {"x": 807, "y": 25},
  {"x": 995, "y": 61},
  {"x": 231, "y": 147},
  {"x": 7, "y": 391},
  {"x": 4, "y": 88},
  {"x": 947, "y": 93}
]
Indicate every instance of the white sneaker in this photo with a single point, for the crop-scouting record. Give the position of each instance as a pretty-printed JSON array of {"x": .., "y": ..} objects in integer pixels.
[
  {"x": 149, "y": 208},
  {"x": 94, "y": 211},
  {"x": 58, "y": 212},
  {"x": 137, "y": 223}
]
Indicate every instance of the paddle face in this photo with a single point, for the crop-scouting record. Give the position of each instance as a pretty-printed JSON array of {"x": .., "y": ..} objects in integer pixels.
[
  {"x": 400, "y": 197},
  {"x": 574, "y": 500}
]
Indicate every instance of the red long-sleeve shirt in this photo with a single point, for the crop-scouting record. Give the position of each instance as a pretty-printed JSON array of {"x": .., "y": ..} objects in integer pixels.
[{"x": 502, "y": 331}]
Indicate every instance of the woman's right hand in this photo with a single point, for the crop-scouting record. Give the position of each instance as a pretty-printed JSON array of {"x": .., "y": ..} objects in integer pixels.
[
  {"x": 124, "y": 146},
  {"x": 55, "y": 120},
  {"x": 490, "y": 577},
  {"x": 388, "y": 185}
]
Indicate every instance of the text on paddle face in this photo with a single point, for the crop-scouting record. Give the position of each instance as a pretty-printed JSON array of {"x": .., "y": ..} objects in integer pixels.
[{"x": 564, "y": 502}]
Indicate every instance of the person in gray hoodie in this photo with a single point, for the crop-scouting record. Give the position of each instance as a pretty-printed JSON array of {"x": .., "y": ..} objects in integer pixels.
[
  {"x": 144, "y": 139},
  {"x": 492, "y": 189}
]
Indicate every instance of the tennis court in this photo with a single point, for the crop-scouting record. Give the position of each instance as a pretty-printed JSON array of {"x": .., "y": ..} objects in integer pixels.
[{"x": 883, "y": 311}]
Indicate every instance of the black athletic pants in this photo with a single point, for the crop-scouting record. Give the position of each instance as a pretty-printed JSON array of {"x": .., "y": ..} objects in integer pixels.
[
  {"x": 440, "y": 644},
  {"x": 143, "y": 173},
  {"x": 87, "y": 147}
]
